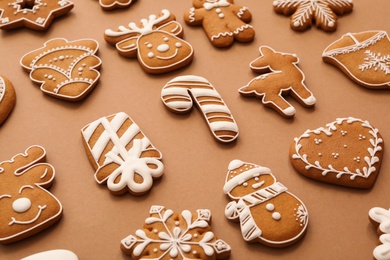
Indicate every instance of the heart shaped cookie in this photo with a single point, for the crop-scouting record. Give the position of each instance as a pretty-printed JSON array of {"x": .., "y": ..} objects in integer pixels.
[{"x": 347, "y": 152}]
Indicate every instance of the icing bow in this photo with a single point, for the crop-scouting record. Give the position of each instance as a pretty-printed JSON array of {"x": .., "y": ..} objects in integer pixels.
[
  {"x": 130, "y": 165},
  {"x": 220, "y": 3}
]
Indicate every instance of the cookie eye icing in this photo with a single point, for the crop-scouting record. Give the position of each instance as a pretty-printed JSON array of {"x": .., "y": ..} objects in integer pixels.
[
  {"x": 25, "y": 187},
  {"x": 166, "y": 39},
  {"x": 5, "y": 196}
]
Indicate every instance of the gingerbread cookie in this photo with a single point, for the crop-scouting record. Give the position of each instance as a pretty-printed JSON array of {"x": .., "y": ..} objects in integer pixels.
[
  {"x": 58, "y": 254},
  {"x": 26, "y": 206},
  {"x": 170, "y": 235},
  {"x": 347, "y": 152},
  {"x": 7, "y": 98},
  {"x": 222, "y": 20},
  {"x": 33, "y": 14},
  {"x": 109, "y": 5},
  {"x": 65, "y": 69},
  {"x": 380, "y": 217},
  {"x": 156, "y": 42},
  {"x": 179, "y": 94},
  {"x": 121, "y": 154},
  {"x": 280, "y": 75},
  {"x": 268, "y": 213},
  {"x": 304, "y": 12},
  {"x": 364, "y": 57}
]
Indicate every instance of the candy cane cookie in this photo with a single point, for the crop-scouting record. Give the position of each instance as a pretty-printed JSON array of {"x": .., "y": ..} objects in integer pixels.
[{"x": 179, "y": 94}]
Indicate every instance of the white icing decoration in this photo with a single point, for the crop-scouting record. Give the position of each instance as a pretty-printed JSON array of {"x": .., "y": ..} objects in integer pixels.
[
  {"x": 276, "y": 216},
  {"x": 236, "y": 31},
  {"x": 210, "y": 5},
  {"x": 176, "y": 96},
  {"x": 376, "y": 61},
  {"x": 371, "y": 160},
  {"x": 114, "y": 4},
  {"x": 59, "y": 254},
  {"x": 21, "y": 205},
  {"x": 163, "y": 48},
  {"x": 270, "y": 207},
  {"x": 3, "y": 88},
  {"x": 128, "y": 160},
  {"x": 381, "y": 216},
  {"x": 14, "y": 221},
  {"x": 177, "y": 241},
  {"x": 382, "y": 252}
]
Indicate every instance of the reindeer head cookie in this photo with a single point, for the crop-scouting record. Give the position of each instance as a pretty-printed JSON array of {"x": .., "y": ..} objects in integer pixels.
[
  {"x": 222, "y": 20},
  {"x": 26, "y": 206},
  {"x": 280, "y": 75},
  {"x": 156, "y": 42},
  {"x": 267, "y": 212}
]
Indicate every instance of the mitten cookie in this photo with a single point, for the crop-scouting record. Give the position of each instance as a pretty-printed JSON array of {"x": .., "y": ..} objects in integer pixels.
[
  {"x": 304, "y": 12},
  {"x": 64, "y": 69},
  {"x": 33, "y": 14},
  {"x": 121, "y": 154},
  {"x": 7, "y": 98},
  {"x": 59, "y": 254},
  {"x": 26, "y": 206},
  {"x": 380, "y": 217},
  {"x": 346, "y": 152},
  {"x": 280, "y": 75},
  {"x": 364, "y": 57},
  {"x": 156, "y": 42},
  {"x": 109, "y": 5},
  {"x": 180, "y": 93},
  {"x": 267, "y": 212},
  {"x": 169, "y": 235},
  {"x": 222, "y": 20}
]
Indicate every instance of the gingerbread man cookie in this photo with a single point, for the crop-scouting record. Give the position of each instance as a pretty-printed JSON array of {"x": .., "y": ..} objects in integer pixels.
[
  {"x": 304, "y": 12},
  {"x": 109, "y": 5},
  {"x": 280, "y": 75},
  {"x": 65, "y": 69},
  {"x": 346, "y": 152},
  {"x": 122, "y": 155},
  {"x": 222, "y": 20},
  {"x": 364, "y": 57},
  {"x": 380, "y": 218},
  {"x": 33, "y": 14},
  {"x": 7, "y": 98},
  {"x": 156, "y": 42},
  {"x": 26, "y": 206},
  {"x": 174, "y": 236},
  {"x": 267, "y": 212}
]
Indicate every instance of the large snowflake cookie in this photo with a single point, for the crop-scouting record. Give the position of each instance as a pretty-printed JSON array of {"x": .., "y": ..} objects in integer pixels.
[
  {"x": 65, "y": 69},
  {"x": 380, "y": 217},
  {"x": 7, "y": 98},
  {"x": 222, "y": 20},
  {"x": 346, "y": 152},
  {"x": 114, "y": 4},
  {"x": 156, "y": 42},
  {"x": 364, "y": 57},
  {"x": 167, "y": 235},
  {"x": 33, "y": 14},
  {"x": 180, "y": 93},
  {"x": 268, "y": 213},
  {"x": 121, "y": 154},
  {"x": 280, "y": 75},
  {"x": 304, "y": 12},
  {"x": 26, "y": 206}
]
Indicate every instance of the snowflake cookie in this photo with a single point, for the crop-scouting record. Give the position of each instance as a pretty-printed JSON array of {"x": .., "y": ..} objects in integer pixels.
[
  {"x": 347, "y": 152},
  {"x": 380, "y": 218},
  {"x": 268, "y": 213},
  {"x": 65, "y": 69},
  {"x": 33, "y": 14},
  {"x": 167, "y": 235},
  {"x": 27, "y": 207},
  {"x": 364, "y": 57},
  {"x": 304, "y": 12}
]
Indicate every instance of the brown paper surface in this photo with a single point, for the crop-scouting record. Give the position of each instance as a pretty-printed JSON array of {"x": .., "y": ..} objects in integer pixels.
[{"x": 95, "y": 221}]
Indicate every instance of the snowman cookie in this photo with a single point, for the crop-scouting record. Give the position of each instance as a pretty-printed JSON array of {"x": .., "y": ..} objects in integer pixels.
[{"x": 268, "y": 213}]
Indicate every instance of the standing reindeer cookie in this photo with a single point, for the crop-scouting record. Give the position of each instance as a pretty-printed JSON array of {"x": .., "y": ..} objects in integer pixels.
[
  {"x": 26, "y": 206},
  {"x": 156, "y": 42},
  {"x": 267, "y": 212},
  {"x": 280, "y": 75},
  {"x": 222, "y": 20}
]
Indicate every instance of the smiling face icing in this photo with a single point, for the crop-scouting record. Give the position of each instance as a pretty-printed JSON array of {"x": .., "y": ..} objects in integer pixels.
[
  {"x": 26, "y": 207},
  {"x": 160, "y": 50}
]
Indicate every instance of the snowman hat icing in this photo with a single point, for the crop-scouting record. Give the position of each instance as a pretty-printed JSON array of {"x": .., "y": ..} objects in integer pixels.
[{"x": 242, "y": 176}]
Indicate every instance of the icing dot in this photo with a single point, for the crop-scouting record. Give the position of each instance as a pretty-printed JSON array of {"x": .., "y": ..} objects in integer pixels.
[
  {"x": 221, "y": 15},
  {"x": 331, "y": 24},
  {"x": 218, "y": 10},
  {"x": 345, "y": 146},
  {"x": 362, "y": 137},
  {"x": 245, "y": 184},
  {"x": 80, "y": 69},
  {"x": 195, "y": 235},
  {"x": 166, "y": 39},
  {"x": 319, "y": 154},
  {"x": 177, "y": 223},
  {"x": 317, "y": 141},
  {"x": 50, "y": 76},
  {"x": 61, "y": 57},
  {"x": 155, "y": 231},
  {"x": 276, "y": 216},
  {"x": 21, "y": 205},
  {"x": 194, "y": 252},
  {"x": 149, "y": 45},
  {"x": 178, "y": 44},
  {"x": 257, "y": 179},
  {"x": 296, "y": 24},
  {"x": 155, "y": 250},
  {"x": 270, "y": 207},
  {"x": 150, "y": 54}
]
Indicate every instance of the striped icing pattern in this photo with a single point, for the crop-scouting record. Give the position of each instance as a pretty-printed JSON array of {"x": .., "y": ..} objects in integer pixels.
[{"x": 180, "y": 93}]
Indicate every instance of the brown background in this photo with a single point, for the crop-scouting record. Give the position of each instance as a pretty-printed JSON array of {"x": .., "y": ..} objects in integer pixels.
[{"x": 95, "y": 221}]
